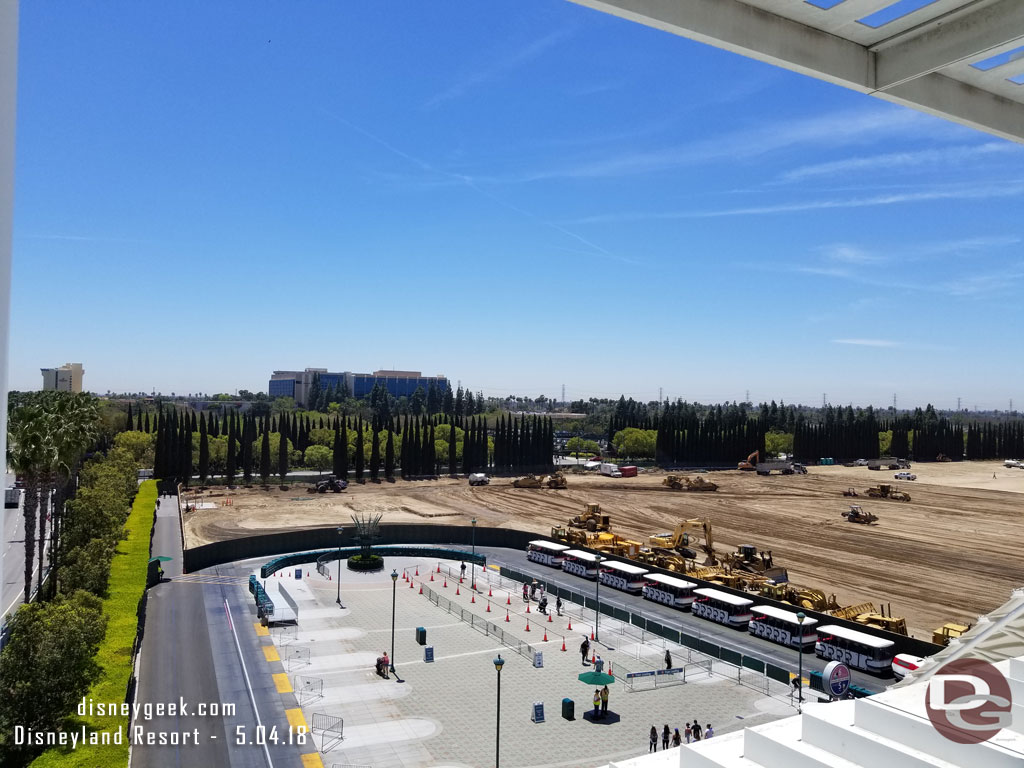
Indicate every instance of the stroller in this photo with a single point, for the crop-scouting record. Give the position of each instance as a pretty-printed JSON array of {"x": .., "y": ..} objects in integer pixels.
[{"x": 542, "y": 606}]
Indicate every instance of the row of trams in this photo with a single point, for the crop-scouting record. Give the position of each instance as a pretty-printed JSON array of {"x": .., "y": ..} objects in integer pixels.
[{"x": 855, "y": 649}]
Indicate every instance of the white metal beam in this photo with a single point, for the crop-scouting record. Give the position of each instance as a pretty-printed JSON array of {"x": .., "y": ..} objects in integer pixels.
[{"x": 957, "y": 38}]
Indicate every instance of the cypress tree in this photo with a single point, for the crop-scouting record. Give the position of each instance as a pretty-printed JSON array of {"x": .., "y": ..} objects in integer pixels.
[
  {"x": 147, "y": 423},
  {"x": 389, "y": 454},
  {"x": 404, "y": 454},
  {"x": 248, "y": 437},
  {"x": 374, "y": 452},
  {"x": 282, "y": 449},
  {"x": 359, "y": 450},
  {"x": 185, "y": 453},
  {"x": 204, "y": 452},
  {"x": 265, "y": 453},
  {"x": 128, "y": 419},
  {"x": 344, "y": 449},
  {"x": 431, "y": 452},
  {"x": 336, "y": 449},
  {"x": 231, "y": 455},
  {"x": 451, "y": 446}
]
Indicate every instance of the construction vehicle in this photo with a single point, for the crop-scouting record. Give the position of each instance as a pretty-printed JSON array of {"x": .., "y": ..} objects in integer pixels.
[
  {"x": 885, "y": 491},
  {"x": 592, "y": 519},
  {"x": 528, "y": 481},
  {"x": 949, "y": 631},
  {"x": 856, "y": 514},
  {"x": 331, "y": 483},
  {"x": 942, "y": 457},
  {"x": 851, "y": 492},
  {"x": 557, "y": 480},
  {"x": 746, "y": 558},
  {"x": 613, "y": 544},
  {"x": 681, "y": 538},
  {"x": 852, "y": 611},
  {"x": 885, "y": 462},
  {"x": 749, "y": 463},
  {"x": 679, "y": 482},
  {"x": 808, "y": 598},
  {"x": 479, "y": 478},
  {"x": 882, "y": 620}
]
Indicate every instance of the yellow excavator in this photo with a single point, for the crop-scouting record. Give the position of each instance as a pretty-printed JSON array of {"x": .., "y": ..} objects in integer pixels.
[
  {"x": 750, "y": 463},
  {"x": 681, "y": 539}
]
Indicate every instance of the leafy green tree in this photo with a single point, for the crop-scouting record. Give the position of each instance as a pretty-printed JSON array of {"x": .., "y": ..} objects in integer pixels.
[
  {"x": 777, "y": 442},
  {"x": 282, "y": 405},
  {"x": 321, "y": 436},
  {"x": 418, "y": 401},
  {"x": 48, "y": 665},
  {"x": 90, "y": 564},
  {"x": 139, "y": 444},
  {"x": 319, "y": 457},
  {"x": 580, "y": 445},
  {"x": 638, "y": 443}
]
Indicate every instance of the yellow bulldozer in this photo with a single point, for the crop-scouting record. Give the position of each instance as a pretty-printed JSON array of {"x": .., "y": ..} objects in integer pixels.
[
  {"x": 613, "y": 544},
  {"x": 592, "y": 519},
  {"x": 856, "y": 514},
  {"x": 882, "y": 620},
  {"x": 680, "y": 483},
  {"x": 748, "y": 559},
  {"x": 557, "y": 480},
  {"x": 887, "y": 492},
  {"x": 949, "y": 631},
  {"x": 529, "y": 481},
  {"x": 572, "y": 536}
]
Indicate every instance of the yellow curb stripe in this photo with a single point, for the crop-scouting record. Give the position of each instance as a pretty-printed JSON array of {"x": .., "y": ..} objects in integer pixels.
[
  {"x": 271, "y": 653},
  {"x": 296, "y": 719},
  {"x": 281, "y": 682},
  {"x": 312, "y": 760},
  {"x": 261, "y": 630}
]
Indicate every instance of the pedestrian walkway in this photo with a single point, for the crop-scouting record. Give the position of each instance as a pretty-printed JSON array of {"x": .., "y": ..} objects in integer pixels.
[{"x": 443, "y": 712}]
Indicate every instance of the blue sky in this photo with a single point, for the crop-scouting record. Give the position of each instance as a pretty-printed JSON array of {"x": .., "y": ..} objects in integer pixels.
[{"x": 518, "y": 195}]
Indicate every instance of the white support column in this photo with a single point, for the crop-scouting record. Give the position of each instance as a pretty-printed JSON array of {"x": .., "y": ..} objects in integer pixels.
[{"x": 8, "y": 108}]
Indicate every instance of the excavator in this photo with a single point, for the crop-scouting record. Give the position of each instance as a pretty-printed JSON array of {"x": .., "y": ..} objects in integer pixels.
[
  {"x": 592, "y": 519},
  {"x": 750, "y": 463},
  {"x": 887, "y": 492},
  {"x": 678, "y": 483}
]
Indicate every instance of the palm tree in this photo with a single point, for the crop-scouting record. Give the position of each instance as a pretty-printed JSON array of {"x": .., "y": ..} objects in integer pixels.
[{"x": 28, "y": 451}]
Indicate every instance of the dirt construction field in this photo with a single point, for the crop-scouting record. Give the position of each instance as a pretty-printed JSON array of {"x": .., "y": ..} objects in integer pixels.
[{"x": 953, "y": 552}]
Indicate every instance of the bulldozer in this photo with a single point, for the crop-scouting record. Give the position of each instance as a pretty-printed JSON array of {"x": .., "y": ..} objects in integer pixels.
[
  {"x": 852, "y": 611},
  {"x": 528, "y": 481},
  {"x": 882, "y": 620},
  {"x": 808, "y": 598},
  {"x": 949, "y": 631},
  {"x": 557, "y": 480},
  {"x": 678, "y": 483},
  {"x": 592, "y": 519},
  {"x": 613, "y": 544},
  {"x": 331, "y": 483},
  {"x": 856, "y": 514},
  {"x": 887, "y": 492},
  {"x": 746, "y": 558}
]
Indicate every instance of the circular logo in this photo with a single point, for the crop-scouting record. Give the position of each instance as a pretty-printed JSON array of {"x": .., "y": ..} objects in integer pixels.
[
  {"x": 968, "y": 701},
  {"x": 838, "y": 676}
]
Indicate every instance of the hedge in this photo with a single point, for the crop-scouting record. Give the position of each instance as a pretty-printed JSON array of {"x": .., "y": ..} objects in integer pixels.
[{"x": 127, "y": 585}]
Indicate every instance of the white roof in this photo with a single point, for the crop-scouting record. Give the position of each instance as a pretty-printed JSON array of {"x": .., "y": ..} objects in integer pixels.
[
  {"x": 956, "y": 59},
  {"x": 541, "y": 544},
  {"x": 782, "y": 613},
  {"x": 725, "y": 597},
  {"x": 671, "y": 581},
  {"x": 635, "y": 570},
  {"x": 853, "y": 635},
  {"x": 580, "y": 554}
]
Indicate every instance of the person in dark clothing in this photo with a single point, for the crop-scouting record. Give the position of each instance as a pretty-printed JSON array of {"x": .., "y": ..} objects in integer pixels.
[
  {"x": 558, "y": 605},
  {"x": 668, "y": 661},
  {"x": 654, "y": 740},
  {"x": 542, "y": 606},
  {"x": 695, "y": 729},
  {"x": 677, "y": 739},
  {"x": 584, "y": 649},
  {"x": 666, "y": 735},
  {"x": 604, "y": 702}
]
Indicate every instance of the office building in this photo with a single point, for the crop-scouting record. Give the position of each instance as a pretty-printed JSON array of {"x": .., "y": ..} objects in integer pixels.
[
  {"x": 67, "y": 378},
  {"x": 296, "y": 384}
]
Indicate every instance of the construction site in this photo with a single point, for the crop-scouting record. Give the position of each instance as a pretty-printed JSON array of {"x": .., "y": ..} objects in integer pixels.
[{"x": 944, "y": 548}]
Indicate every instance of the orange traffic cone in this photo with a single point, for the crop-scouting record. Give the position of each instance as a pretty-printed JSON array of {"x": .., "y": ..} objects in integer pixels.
[
  {"x": 489, "y": 593},
  {"x": 460, "y": 579},
  {"x": 506, "y": 615},
  {"x": 549, "y": 618},
  {"x": 417, "y": 570},
  {"x": 563, "y": 643},
  {"x": 473, "y": 598},
  {"x": 591, "y": 634},
  {"x": 438, "y": 567},
  {"x": 570, "y": 623},
  {"x": 545, "y": 635},
  {"x": 457, "y": 589},
  {"x": 610, "y": 669},
  {"x": 410, "y": 584},
  {"x": 445, "y": 585},
  {"x": 509, "y": 601},
  {"x": 421, "y": 589},
  {"x": 431, "y": 575},
  {"x": 593, "y": 659},
  {"x": 488, "y": 607},
  {"x": 527, "y": 625}
]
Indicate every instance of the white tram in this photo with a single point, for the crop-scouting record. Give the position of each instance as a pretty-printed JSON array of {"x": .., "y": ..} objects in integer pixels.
[
  {"x": 580, "y": 563},
  {"x": 669, "y": 590},
  {"x": 722, "y": 607},
  {"x": 855, "y": 649},
  {"x": 624, "y": 576},
  {"x": 782, "y": 627},
  {"x": 546, "y": 553}
]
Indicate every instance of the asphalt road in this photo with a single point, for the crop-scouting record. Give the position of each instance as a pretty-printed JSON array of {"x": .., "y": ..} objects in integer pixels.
[
  {"x": 734, "y": 639},
  {"x": 13, "y": 559}
]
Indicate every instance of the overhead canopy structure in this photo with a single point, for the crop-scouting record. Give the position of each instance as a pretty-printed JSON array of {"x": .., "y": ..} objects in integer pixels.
[{"x": 962, "y": 60}]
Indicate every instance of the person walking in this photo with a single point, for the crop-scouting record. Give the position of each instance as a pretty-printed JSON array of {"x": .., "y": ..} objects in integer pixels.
[
  {"x": 709, "y": 732},
  {"x": 654, "y": 740},
  {"x": 558, "y": 604},
  {"x": 533, "y": 589},
  {"x": 668, "y": 659},
  {"x": 604, "y": 702},
  {"x": 688, "y": 734},
  {"x": 695, "y": 730},
  {"x": 462, "y": 571},
  {"x": 666, "y": 736},
  {"x": 584, "y": 649},
  {"x": 599, "y": 664},
  {"x": 597, "y": 703},
  {"x": 158, "y": 503},
  {"x": 526, "y": 593},
  {"x": 677, "y": 740}
]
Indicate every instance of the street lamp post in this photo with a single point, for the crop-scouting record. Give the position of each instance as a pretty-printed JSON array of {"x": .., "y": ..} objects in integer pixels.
[
  {"x": 498, "y": 664},
  {"x": 597, "y": 598},
  {"x": 394, "y": 581},
  {"x": 340, "y": 529},
  {"x": 472, "y": 581},
  {"x": 800, "y": 654}
]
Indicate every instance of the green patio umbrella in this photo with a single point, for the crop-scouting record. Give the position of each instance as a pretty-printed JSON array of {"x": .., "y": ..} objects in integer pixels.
[
  {"x": 595, "y": 678},
  {"x": 162, "y": 558}
]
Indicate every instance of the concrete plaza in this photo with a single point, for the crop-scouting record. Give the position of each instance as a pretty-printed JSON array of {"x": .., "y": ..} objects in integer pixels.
[{"x": 444, "y": 713}]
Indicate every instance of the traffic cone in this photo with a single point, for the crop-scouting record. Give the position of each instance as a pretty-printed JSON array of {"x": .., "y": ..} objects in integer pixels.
[
  {"x": 549, "y": 618},
  {"x": 509, "y": 601},
  {"x": 473, "y": 598},
  {"x": 527, "y": 625},
  {"x": 431, "y": 575},
  {"x": 410, "y": 584},
  {"x": 438, "y": 567},
  {"x": 421, "y": 589},
  {"x": 527, "y": 607},
  {"x": 489, "y": 593},
  {"x": 460, "y": 579},
  {"x": 445, "y": 585},
  {"x": 506, "y": 615},
  {"x": 457, "y": 589},
  {"x": 593, "y": 659},
  {"x": 417, "y": 570},
  {"x": 488, "y": 607},
  {"x": 610, "y": 669},
  {"x": 591, "y": 634},
  {"x": 563, "y": 643},
  {"x": 545, "y": 635},
  {"x": 570, "y": 624}
]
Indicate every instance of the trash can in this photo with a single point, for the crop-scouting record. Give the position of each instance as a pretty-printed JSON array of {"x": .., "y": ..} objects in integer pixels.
[
  {"x": 568, "y": 709},
  {"x": 421, "y": 635}
]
